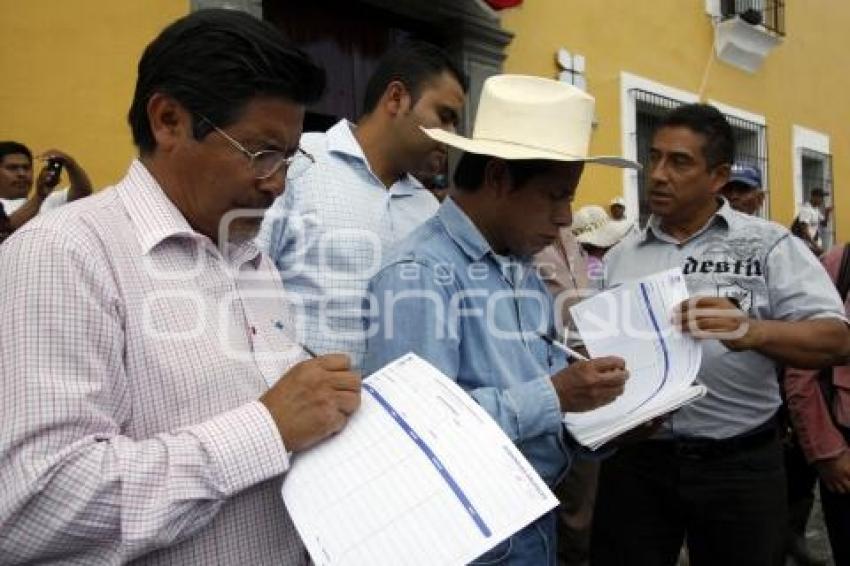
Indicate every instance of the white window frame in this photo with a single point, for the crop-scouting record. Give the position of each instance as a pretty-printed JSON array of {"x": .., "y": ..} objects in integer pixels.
[
  {"x": 804, "y": 138},
  {"x": 712, "y": 8},
  {"x": 807, "y": 139}
]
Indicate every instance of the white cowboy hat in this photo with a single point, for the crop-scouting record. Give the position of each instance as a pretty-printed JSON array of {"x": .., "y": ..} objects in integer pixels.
[
  {"x": 619, "y": 201},
  {"x": 592, "y": 225},
  {"x": 524, "y": 117}
]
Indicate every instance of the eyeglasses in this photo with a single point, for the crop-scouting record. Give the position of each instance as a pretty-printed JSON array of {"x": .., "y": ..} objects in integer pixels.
[{"x": 267, "y": 162}]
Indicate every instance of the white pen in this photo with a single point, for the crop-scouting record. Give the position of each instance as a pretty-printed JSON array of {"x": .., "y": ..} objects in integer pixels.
[{"x": 568, "y": 351}]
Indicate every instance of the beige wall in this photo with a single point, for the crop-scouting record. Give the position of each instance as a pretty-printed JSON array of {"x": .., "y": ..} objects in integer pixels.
[
  {"x": 68, "y": 70},
  {"x": 805, "y": 81}
]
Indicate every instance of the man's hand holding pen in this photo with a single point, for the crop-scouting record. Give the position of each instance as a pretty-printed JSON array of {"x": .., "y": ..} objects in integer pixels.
[
  {"x": 586, "y": 385},
  {"x": 313, "y": 400}
]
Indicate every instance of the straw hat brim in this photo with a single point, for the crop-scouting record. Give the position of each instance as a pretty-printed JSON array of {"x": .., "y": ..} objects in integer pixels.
[
  {"x": 508, "y": 150},
  {"x": 606, "y": 235}
]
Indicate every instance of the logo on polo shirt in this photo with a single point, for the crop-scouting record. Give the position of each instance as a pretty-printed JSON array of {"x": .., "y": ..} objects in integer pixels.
[
  {"x": 749, "y": 267},
  {"x": 742, "y": 296}
]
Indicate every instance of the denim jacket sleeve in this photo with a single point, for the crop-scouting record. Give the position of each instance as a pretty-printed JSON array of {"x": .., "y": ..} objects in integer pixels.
[{"x": 409, "y": 312}]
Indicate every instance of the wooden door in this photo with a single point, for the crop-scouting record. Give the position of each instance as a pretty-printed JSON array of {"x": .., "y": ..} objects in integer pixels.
[{"x": 347, "y": 39}]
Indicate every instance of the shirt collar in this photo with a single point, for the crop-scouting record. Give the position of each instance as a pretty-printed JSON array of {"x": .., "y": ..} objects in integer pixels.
[
  {"x": 724, "y": 216},
  {"x": 156, "y": 218},
  {"x": 462, "y": 230},
  {"x": 341, "y": 141}
]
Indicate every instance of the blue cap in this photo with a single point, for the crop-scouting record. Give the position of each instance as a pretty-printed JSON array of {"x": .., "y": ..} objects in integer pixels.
[{"x": 746, "y": 175}]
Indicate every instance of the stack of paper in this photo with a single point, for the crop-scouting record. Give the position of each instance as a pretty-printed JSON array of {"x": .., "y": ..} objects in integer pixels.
[
  {"x": 634, "y": 321},
  {"x": 420, "y": 475}
]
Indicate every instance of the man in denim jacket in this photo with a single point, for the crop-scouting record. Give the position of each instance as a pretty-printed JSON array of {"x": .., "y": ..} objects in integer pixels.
[{"x": 462, "y": 291}]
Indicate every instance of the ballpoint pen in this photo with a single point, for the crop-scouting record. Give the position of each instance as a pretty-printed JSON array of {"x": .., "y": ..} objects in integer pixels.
[
  {"x": 308, "y": 350},
  {"x": 568, "y": 351}
]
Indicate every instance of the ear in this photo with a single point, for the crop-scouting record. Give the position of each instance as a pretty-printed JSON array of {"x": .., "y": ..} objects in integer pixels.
[
  {"x": 396, "y": 99},
  {"x": 170, "y": 122},
  {"x": 497, "y": 178},
  {"x": 719, "y": 177}
]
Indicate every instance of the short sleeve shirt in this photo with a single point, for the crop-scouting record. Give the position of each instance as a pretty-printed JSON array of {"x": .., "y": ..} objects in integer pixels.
[{"x": 769, "y": 273}]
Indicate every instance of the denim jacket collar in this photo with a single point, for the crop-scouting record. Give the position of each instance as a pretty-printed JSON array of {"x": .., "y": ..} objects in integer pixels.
[{"x": 462, "y": 230}]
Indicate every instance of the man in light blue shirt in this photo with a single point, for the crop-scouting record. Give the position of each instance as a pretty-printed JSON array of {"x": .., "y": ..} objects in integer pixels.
[
  {"x": 463, "y": 293},
  {"x": 329, "y": 232},
  {"x": 714, "y": 473}
]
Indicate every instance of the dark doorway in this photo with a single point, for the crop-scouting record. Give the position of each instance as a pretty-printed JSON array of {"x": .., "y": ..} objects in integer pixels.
[{"x": 347, "y": 39}]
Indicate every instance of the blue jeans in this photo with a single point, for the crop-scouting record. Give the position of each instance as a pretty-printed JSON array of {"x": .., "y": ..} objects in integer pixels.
[{"x": 534, "y": 545}]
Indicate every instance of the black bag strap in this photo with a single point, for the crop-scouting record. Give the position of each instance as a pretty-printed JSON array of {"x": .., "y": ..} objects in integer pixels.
[{"x": 843, "y": 282}]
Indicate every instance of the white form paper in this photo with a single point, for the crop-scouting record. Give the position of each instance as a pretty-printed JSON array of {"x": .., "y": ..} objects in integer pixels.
[
  {"x": 420, "y": 475},
  {"x": 634, "y": 321}
]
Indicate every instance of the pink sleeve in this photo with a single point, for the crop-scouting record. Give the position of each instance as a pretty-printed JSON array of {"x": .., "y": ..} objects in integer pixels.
[{"x": 810, "y": 416}]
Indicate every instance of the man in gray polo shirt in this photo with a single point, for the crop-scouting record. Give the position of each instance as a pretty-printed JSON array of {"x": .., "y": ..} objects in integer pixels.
[{"x": 714, "y": 472}]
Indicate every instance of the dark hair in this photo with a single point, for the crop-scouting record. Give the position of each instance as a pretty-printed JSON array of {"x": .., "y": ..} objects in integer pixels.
[
  {"x": 13, "y": 147},
  {"x": 799, "y": 229},
  {"x": 214, "y": 62},
  {"x": 413, "y": 64},
  {"x": 719, "y": 148},
  {"x": 469, "y": 175}
]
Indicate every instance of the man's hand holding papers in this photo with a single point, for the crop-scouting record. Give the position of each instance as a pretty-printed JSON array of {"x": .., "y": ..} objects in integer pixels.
[
  {"x": 720, "y": 319},
  {"x": 586, "y": 385},
  {"x": 638, "y": 434}
]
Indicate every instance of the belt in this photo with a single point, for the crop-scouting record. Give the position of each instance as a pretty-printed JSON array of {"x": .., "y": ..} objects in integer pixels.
[{"x": 707, "y": 448}]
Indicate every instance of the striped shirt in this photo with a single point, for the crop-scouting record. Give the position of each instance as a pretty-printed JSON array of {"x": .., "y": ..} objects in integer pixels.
[
  {"x": 329, "y": 233},
  {"x": 132, "y": 354}
]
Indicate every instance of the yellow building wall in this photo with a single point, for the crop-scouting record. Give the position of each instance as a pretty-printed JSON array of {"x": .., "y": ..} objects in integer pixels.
[
  {"x": 68, "y": 71},
  {"x": 804, "y": 81}
]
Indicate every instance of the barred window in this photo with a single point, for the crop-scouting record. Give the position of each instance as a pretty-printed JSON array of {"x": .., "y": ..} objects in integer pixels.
[
  {"x": 751, "y": 149},
  {"x": 767, "y": 13}
]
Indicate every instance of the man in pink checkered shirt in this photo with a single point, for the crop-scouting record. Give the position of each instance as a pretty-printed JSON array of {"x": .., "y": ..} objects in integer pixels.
[{"x": 151, "y": 391}]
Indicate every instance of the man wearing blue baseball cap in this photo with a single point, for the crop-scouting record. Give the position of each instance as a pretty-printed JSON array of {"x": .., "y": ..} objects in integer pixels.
[
  {"x": 744, "y": 193},
  {"x": 744, "y": 190}
]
